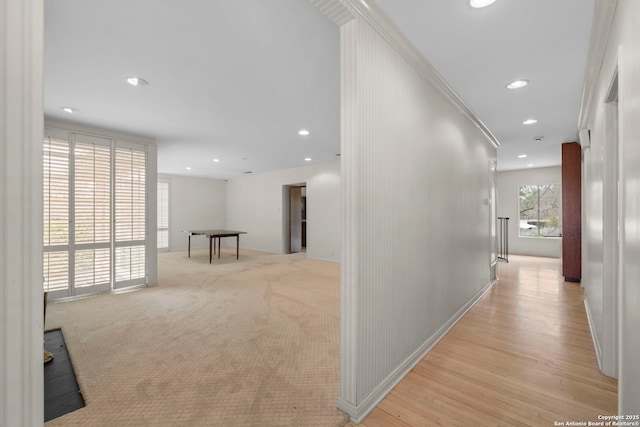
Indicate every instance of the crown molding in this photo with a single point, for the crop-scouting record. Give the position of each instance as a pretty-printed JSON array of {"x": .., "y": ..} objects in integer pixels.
[
  {"x": 600, "y": 31},
  {"x": 380, "y": 22},
  {"x": 336, "y": 10}
]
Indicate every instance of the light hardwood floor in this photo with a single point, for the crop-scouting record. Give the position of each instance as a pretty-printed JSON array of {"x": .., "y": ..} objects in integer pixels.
[{"x": 523, "y": 355}]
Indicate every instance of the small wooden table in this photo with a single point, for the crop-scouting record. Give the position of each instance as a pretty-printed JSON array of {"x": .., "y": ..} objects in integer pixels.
[{"x": 213, "y": 235}]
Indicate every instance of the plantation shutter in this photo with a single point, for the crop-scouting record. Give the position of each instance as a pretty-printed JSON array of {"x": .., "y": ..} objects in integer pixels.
[
  {"x": 94, "y": 206},
  {"x": 92, "y": 212},
  {"x": 56, "y": 214},
  {"x": 130, "y": 207}
]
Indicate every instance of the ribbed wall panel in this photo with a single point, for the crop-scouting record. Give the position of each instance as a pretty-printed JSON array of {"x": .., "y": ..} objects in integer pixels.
[
  {"x": 416, "y": 240},
  {"x": 350, "y": 207}
]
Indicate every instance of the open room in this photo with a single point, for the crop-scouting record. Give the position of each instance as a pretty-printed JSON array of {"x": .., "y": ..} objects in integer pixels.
[{"x": 319, "y": 212}]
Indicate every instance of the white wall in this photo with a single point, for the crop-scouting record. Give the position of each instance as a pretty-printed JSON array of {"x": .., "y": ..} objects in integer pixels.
[
  {"x": 255, "y": 205},
  {"x": 194, "y": 203},
  {"x": 509, "y": 183},
  {"x": 416, "y": 216},
  {"x": 621, "y": 52}
]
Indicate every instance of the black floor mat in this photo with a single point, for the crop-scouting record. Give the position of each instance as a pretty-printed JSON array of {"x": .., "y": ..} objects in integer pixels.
[{"x": 61, "y": 392}]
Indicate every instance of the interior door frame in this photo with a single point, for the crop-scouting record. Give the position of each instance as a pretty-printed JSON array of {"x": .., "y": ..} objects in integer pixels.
[
  {"x": 493, "y": 219},
  {"x": 611, "y": 232},
  {"x": 287, "y": 246}
]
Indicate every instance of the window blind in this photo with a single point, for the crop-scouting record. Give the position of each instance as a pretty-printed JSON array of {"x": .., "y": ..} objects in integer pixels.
[
  {"x": 56, "y": 214},
  {"x": 130, "y": 205},
  {"x": 56, "y": 192},
  {"x": 92, "y": 211},
  {"x": 94, "y": 191}
]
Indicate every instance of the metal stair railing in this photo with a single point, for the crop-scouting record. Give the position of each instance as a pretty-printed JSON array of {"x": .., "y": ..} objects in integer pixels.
[{"x": 503, "y": 239}]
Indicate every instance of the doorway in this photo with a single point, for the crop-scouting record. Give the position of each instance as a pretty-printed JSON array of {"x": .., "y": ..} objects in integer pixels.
[
  {"x": 295, "y": 217},
  {"x": 493, "y": 220}
]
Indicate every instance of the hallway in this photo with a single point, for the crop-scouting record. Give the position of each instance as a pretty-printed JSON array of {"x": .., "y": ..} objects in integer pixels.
[{"x": 523, "y": 355}]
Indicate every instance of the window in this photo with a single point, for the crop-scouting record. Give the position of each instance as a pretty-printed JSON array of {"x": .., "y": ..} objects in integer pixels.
[
  {"x": 539, "y": 211},
  {"x": 130, "y": 206},
  {"x": 56, "y": 214},
  {"x": 92, "y": 211},
  {"x": 163, "y": 215},
  {"x": 94, "y": 214}
]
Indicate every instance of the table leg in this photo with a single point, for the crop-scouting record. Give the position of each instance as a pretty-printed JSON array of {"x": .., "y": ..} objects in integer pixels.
[
  {"x": 237, "y": 247},
  {"x": 210, "y": 238},
  {"x": 219, "y": 247},
  {"x": 189, "y": 251}
]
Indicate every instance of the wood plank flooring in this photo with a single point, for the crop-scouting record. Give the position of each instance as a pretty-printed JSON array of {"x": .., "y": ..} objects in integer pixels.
[{"x": 522, "y": 356}]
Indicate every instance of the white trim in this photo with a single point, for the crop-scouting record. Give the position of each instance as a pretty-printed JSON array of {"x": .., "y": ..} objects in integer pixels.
[
  {"x": 600, "y": 30},
  {"x": 596, "y": 344},
  {"x": 349, "y": 205},
  {"x": 360, "y": 411},
  {"x": 611, "y": 220},
  {"x": 623, "y": 178},
  {"x": 493, "y": 218},
  {"x": 338, "y": 12},
  {"x": 334, "y": 261}
]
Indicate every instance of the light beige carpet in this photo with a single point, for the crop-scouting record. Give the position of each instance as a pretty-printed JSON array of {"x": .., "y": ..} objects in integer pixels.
[{"x": 253, "y": 342}]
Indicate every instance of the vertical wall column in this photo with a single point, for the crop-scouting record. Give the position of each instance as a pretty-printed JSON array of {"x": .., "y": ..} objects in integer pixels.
[
  {"x": 629, "y": 299},
  {"x": 403, "y": 134},
  {"x": 21, "y": 299}
]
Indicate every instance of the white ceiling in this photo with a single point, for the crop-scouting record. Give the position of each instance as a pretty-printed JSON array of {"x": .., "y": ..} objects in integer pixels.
[
  {"x": 236, "y": 80},
  {"x": 480, "y": 51}
]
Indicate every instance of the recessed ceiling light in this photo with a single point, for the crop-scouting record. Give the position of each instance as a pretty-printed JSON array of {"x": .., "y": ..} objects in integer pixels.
[
  {"x": 517, "y": 84},
  {"x": 137, "y": 81},
  {"x": 530, "y": 165},
  {"x": 529, "y": 122},
  {"x": 303, "y": 132},
  {"x": 216, "y": 160},
  {"x": 248, "y": 172},
  {"x": 522, "y": 156},
  {"x": 308, "y": 159},
  {"x": 480, "y": 3},
  {"x": 188, "y": 168},
  {"x": 538, "y": 138},
  {"x": 70, "y": 110}
]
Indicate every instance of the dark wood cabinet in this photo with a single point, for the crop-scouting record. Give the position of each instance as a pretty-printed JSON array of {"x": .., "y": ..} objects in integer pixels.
[{"x": 571, "y": 212}]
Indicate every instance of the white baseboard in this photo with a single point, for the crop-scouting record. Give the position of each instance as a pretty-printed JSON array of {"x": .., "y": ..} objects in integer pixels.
[
  {"x": 596, "y": 343},
  {"x": 360, "y": 411},
  {"x": 334, "y": 261}
]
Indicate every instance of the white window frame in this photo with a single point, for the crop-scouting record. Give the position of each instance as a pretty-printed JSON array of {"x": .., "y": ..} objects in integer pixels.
[
  {"x": 147, "y": 241},
  {"x": 519, "y": 220}
]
